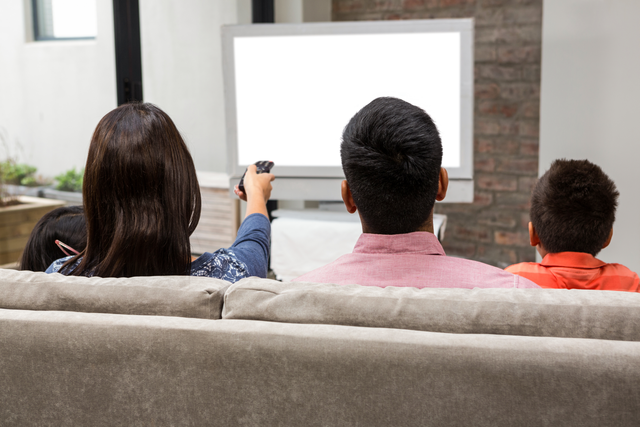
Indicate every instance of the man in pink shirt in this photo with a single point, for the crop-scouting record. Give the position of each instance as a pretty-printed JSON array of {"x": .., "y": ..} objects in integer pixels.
[{"x": 391, "y": 156}]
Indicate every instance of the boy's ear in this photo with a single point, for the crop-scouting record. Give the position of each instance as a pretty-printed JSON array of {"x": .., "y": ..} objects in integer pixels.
[
  {"x": 609, "y": 239},
  {"x": 443, "y": 185},
  {"x": 347, "y": 197},
  {"x": 534, "y": 240}
]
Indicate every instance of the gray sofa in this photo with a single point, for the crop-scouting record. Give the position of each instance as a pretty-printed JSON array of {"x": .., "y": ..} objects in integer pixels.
[{"x": 189, "y": 351}]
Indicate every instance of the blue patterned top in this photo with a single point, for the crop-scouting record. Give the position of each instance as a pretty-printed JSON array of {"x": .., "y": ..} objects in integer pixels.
[{"x": 248, "y": 256}]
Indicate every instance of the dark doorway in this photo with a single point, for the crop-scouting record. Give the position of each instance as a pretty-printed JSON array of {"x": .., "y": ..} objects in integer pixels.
[
  {"x": 262, "y": 11},
  {"x": 126, "y": 21}
]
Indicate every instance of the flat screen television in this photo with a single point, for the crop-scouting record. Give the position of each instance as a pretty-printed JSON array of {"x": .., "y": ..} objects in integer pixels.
[{"x": 291, "y": 88}]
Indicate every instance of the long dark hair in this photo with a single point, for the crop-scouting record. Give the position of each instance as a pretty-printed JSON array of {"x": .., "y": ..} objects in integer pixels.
[
  {"x": 66, "y": 224},
  {"x": 141, "y": 196}
]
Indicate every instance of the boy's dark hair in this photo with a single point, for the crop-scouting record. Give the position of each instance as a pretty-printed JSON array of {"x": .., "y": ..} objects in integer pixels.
[
  {"x": 391, "y": 156},
  {"x": 573, "y": 207},
  {"x": 66, "y": 224}
]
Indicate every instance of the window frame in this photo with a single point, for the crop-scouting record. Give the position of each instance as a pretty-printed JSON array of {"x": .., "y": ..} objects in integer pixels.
[{"x": 38, "y": 37}]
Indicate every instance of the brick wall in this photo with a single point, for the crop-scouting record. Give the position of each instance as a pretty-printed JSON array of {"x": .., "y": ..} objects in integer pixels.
[{"x": 507, "y": 102}]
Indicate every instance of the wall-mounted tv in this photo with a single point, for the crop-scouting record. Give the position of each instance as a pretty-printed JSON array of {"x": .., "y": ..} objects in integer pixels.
[{"x": 291, "y": 88}]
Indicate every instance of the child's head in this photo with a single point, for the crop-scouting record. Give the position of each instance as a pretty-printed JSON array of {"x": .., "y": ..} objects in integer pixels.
[
  {"x": 141, "y": 196},
  {"x": 391, "y": 156},
  {"x": 573, "y": 208},
  {"x": 66, "y": 224}
]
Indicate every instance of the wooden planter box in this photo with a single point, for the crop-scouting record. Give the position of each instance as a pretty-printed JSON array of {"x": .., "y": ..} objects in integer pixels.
[
  {"x": 217, "y": 228},
  {"x": 72, "y": 198},
  {"x": 16, "y": 223}
]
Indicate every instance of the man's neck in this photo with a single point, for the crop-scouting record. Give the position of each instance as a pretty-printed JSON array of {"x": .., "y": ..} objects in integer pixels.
[{"x": 426, "y": 226}]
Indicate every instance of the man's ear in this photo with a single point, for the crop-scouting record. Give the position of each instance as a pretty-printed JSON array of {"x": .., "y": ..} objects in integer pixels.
[
  {"x": 609, "y": 239},
  {"x": 347, "y": 197},
  {"x": 534, "y": 240},
  {"x": 443, "y": 185}
]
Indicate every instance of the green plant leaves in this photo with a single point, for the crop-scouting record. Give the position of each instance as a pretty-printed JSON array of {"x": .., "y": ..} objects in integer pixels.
[
  {"x": 17, "y": 173},
  {"x": 70, "y": 180}
]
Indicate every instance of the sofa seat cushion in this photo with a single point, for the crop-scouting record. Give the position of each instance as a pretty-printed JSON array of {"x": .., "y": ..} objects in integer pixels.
[
  {"x": 528, "y": 312},
  {"x": 182, "y": 296},
  {"x": 88, "y": 369}
]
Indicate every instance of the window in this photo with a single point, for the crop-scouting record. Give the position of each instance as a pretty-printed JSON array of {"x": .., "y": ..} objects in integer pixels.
[{"x": 64, "y": 19}]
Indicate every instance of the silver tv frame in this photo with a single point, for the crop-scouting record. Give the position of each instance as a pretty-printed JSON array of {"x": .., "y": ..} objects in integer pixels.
[{"x": 323, "y": 183}]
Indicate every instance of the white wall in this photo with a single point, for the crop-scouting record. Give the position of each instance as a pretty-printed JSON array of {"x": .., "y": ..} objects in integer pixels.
[
  {"x": 291, "y": 11},
  {"x": 590, "y": 102},
  {"x": 182, "y": 64},
  {"x": 182, "y": 69},
  {"x": 52, "y": 94},
  {"x": 244, "y": 11}
]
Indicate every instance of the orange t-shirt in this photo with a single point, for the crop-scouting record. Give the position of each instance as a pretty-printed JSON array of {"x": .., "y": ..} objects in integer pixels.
[{"x": 577, "y": 270}]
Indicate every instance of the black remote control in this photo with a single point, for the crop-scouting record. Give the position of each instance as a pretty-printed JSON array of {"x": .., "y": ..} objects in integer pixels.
[{"x": 263, "y": 166}]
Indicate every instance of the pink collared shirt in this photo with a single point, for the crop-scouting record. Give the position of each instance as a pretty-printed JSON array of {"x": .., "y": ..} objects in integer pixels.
[{"x": 412, "y": 260}]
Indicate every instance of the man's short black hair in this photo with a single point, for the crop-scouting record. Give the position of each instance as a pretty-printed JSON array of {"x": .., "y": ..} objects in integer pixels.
[
  {"x": 573, "y": 207},
  {"x": 391, "y": 156}
]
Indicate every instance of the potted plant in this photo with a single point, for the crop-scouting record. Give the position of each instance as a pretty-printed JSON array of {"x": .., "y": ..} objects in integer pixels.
[
  {"x": 18, "y": 214},
  {"x": 68, "y": 187}
]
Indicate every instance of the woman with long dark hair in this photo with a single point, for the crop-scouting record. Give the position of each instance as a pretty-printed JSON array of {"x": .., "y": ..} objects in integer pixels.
[{"x": 142, "y": 202}]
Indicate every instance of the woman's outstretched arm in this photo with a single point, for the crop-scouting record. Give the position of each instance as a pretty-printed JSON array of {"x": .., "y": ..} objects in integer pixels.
[{"x": 249, "y": 254}]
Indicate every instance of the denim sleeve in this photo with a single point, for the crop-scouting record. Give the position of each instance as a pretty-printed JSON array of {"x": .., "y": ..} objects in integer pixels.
[{"x": 252, "y": 244}]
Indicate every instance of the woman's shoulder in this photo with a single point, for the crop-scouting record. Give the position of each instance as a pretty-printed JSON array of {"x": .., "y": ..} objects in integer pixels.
[
  {"x": 57, "y": 264},
  {"x": 221, "y": 264}
]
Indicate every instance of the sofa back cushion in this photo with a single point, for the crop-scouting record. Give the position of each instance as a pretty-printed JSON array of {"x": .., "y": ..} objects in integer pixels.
[
  {"x": 528, "y": 312},
  {"x": 182, "y": 296}
]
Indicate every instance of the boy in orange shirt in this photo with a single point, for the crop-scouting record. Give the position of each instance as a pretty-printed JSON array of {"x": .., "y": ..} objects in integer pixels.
[{"x": 573, "y": 208}]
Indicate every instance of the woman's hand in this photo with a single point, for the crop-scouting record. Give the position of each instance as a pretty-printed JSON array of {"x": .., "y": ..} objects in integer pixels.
[
  {"x": 239, "y": 193},
  {"x": 257, "y": 191}
]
